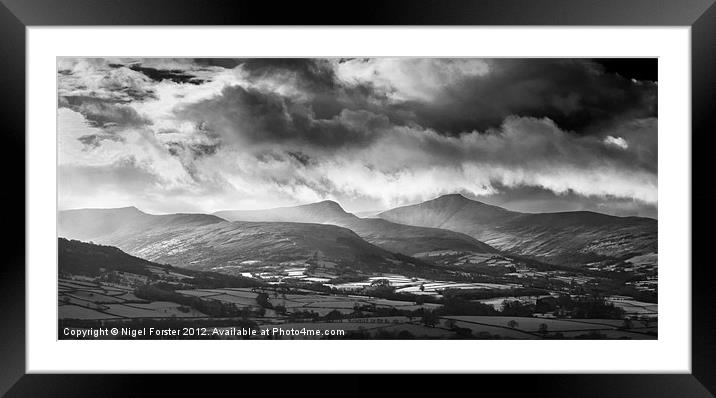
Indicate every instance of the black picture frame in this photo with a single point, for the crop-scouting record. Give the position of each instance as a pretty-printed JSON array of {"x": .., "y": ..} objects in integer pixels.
[{"x": 700, "y": 15}]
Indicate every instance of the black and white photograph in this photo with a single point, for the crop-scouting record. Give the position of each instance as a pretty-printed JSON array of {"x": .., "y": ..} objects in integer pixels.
[{"x": 357, "y": 198}]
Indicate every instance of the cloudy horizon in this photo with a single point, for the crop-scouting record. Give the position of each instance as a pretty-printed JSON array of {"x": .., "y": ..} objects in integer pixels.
[{"x": 204, "y": 135}]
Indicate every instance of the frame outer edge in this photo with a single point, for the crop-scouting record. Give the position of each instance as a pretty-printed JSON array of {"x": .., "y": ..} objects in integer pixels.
[
  {"x": 12, "y": 278},
  {"x": 703, "y": 100},
  {"x": 368, "y": 12},
  {"x": 12, "y": 162}
]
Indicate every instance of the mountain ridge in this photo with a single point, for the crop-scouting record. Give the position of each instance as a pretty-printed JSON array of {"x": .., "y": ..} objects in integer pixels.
[
  {"x": 207, "y": 242},
  {"x": 83, "y": 224},
  {"x": 395, "y": 237},
  {"x": 560, "y": 236},
  {"x": 323, "y": 210}
]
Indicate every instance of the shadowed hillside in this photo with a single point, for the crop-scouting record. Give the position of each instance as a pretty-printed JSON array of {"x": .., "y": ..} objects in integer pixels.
[
  {"x": 208, "y": 242},
  {"x": 394, "y": 237},
  {"x": 112, "y": 224},
  {"x": 578, "y": 236}
]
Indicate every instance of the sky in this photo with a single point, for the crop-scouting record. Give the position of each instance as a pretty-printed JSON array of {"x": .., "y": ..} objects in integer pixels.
[{"x": 203, "y": 135}]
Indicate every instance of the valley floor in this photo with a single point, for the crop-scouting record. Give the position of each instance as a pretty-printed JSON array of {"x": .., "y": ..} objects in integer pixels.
[{"x": 86, "y": 303}]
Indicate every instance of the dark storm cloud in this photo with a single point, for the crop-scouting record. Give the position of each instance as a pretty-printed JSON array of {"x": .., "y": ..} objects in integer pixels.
[
  {"x": 98, "y": 78},
  {"x": 311, "y": 74},
  {"x": 365, "y": 116},
  {"x": 175, "y": 75},
  {"x": 329, "y": 103},
  {"x": 188, "y": 153},
  {"x": 539, "y": 134},
  {"x": 200, "y": 150},
  {"x": 520, "y": 140},
  {"x": 297, "y": 158},
  {"x": 631, "y": 68},
  {"x": 531, "y": 199},
  {"x": 577, "y": 94},
  {"x": 641, "y": 136},
  {"x": 123, "y": 95},
  {"x": 95, "y": 140},
  {"x": 195, "y": 150},
  {"x": 254, "y": 116},
  {"x": 316, "y": 79},
  {"x": 104, "y": 113},
  {"x": 226, "y": 63},
  {"x": 300, "y": 157}
]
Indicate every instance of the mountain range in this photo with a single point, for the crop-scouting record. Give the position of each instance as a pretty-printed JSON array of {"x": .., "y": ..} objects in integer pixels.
[
  {"x": 395, "y": 237},
  {"x": 88, "y": 259},
  {"x": 202, "y": 242},
  {"x": 325, "y": 231},
  {"x": 564, "y": 237}
]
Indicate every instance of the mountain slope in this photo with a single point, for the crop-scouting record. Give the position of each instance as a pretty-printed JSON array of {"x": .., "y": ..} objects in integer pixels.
[
  {"x": 112, "y": 224},
  {"x": 209, "y": 242},
  {"x": 88, "y": 259},
  {"x": 320, "y": 213},
  {"x": 81, "y": 258},
  {"x": 406, "y": 239},
  {"x": 565, "y": 237}
]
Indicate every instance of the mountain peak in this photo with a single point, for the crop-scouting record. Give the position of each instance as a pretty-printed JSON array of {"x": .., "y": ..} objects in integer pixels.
[
  {"x": 439, "y": 212},
  {"x": 457, "y": 199},
  {"x": 318, "y": 212},
  {"x": 454, "y": 199},
  {"x": 567, "y": 237},
  {"x": 128, "y": 210},
  {"x": 323, "y": 211},
  {"x": 453, "y": 196},
  {"x": 131, "y": 209},
  {"x": 328, "y": 204}
]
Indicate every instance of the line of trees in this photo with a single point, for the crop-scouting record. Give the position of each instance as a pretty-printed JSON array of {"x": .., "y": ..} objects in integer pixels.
[{"x": 214, "y": 308}]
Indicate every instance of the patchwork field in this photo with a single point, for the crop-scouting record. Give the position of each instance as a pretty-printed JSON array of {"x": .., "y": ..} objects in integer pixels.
[
  {"x": 321, "y": 304},
  {"x": 482, "y": 326},
  {"x": 87, "y": 300},
  {"x": 371, "y": 326},
  {"x": 76, "y": 312},
  {"x": 636, "y": 308},
  {"x": 420, "y": 286},
  {"x": 524, "y": 327},
  {"x": 498, "y": 301}
]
